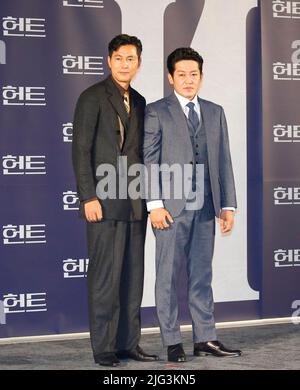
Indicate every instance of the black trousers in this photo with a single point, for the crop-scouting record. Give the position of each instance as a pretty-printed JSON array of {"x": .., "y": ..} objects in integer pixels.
[{"x": 115, "y": 284}]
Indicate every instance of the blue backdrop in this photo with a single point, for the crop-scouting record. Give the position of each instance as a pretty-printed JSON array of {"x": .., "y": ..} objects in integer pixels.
[{"x": 49, "y": 53}]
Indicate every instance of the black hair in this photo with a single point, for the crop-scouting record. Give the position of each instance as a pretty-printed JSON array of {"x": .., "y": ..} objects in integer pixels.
[
  {"x": 183, "y": 53},
  {"x": 122, "y": 40}
]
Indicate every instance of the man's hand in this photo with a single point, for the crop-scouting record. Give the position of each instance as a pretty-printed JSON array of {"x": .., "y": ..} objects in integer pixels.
[
  {"x": 226, "y": 221},
  {"x": 159, "y": 217},
  {"x": 93, "y": 211}
]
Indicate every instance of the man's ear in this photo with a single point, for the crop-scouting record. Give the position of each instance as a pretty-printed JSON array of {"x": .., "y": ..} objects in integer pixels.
[
  {"x": 170, "y": 78},
  {"x": 109, "y": 62}
]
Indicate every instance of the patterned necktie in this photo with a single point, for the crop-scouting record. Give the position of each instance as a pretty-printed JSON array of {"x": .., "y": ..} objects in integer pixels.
[
  {"x": 126, "y": 102},
  {"x": 193, "y": 117}
]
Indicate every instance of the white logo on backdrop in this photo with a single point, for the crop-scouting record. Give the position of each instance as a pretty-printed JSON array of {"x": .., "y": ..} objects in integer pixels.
[
  {"x": 23, "y": 96},
  {"x": 24, "y": 234},
  {"x": 286, "y": 133},
  {"x": 23, "y": 27},
  {"x": 80, "y": 65},
  {"x": 286, "y": 71},
  {"x": 289, "y": 70},
  {"x": 70, "y": 200},
  {"x": 24, "y": 165},
  {"x": 286, "y": 9},
  {"x": 67, "y": 132},
  {"x": 83, "y": 3},
  {"x": 24, "y": 303},
  {"x": 75, "y": 268},
  {"x": 286, "y": 196},
  {"x": 287, "y": 257}
]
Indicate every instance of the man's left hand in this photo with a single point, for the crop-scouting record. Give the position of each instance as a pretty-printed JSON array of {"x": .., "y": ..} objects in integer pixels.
[{"x": 226, "y": 221}]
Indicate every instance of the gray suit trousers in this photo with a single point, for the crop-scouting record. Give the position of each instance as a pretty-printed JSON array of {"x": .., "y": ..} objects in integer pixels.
[{"x": 191, "y": 237}]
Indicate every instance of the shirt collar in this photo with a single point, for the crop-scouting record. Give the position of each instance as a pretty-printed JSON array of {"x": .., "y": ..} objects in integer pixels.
[
  {"x": 120, "y": 88},
  {"x": 184, "y": 101}
]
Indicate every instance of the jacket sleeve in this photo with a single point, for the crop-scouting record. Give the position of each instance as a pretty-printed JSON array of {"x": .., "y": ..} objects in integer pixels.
[
  {"x": 226, "y": 178},
  {"x": 84, "y": 128},
  {"x": 151, "y": 153}
]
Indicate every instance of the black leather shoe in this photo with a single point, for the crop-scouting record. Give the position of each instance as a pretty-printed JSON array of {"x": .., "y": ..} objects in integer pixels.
[
  {"x": 107, "y": 359},
  {"x": 176, "y": 353},
  {"x": 215, "y": 348},
  {"x": 137, "y": 354}
]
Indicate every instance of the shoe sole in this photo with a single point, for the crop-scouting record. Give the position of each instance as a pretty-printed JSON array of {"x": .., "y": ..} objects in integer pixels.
[
  {"x": 109, "y": 365},
  {"x": 203, "y": 354},
  {"x": 177, "y": 361}
]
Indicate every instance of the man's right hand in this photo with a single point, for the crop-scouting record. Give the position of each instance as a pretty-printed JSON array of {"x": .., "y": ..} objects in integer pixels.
[
  {"x": 159, "y": 218},
  {"x": 93, "y": 211}
]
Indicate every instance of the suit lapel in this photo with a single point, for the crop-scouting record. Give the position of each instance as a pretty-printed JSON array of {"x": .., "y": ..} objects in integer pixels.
[
  {"x": 207, "y": 116},
  {"x": 133, "y": 120},
  {"x": 179, "y": 117},
  {"x": 116, "y": 101}
]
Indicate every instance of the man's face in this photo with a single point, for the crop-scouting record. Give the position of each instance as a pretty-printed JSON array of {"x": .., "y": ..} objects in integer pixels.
[
  {"x": 186, "y": 79},
  {"x": 124, "y": 63}
]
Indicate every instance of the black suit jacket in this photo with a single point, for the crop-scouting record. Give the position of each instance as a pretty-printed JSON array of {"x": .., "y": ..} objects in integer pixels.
[{"x": 96, "y": 140}]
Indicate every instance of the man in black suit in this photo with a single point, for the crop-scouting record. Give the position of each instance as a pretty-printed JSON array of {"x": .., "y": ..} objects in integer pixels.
[{"x": 109, "y": 124}]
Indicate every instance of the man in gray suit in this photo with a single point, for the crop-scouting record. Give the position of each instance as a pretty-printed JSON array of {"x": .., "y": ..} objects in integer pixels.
[{"x": 185, "y": 130}]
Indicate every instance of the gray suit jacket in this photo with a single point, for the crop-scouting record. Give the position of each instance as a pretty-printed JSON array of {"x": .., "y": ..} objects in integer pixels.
[{"x": 167, "y": 140}]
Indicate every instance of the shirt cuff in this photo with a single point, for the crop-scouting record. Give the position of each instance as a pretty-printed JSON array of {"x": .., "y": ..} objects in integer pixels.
[
  {"x": 89, "y": 200},
  {"x": 154, "y": 204},
  {"x": 228, "y": 208}
]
